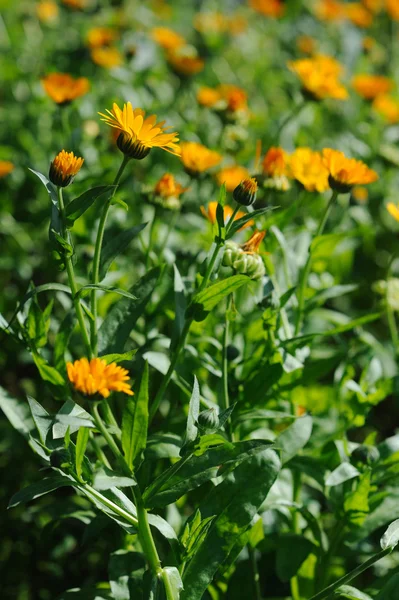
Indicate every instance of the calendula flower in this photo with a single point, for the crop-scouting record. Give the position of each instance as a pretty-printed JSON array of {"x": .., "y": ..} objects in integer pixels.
[
  {"x": 387, "y": 107},
  {"x": 209, "y": 97},
  {"x": 371, "y": 86},
  {"x": 167, "y": 192},
  {"x": 47, "y": 11},
  {"x": 235, "y": 97},
  {"x": 64, "y": 168},
  {"x": 319, "y": 77},
  {"x": 96, "y": 377},
  {"x": 210, "y": 213},
  {"x": 76, "y": 4},
  {"x": 392, "y": 8},
  {"x": 358, "y": 14},
  {"x": 63, "y": 88},
  {"x": 275, "y": 162},
  {"x": 393, "y": 210},
  {"x": 5, "y": 167},
  {"x": 231, "y": 176},
  {"x": 196, "y": 158},
  {"x": 374, "y": 6},
  {"x": 245, "y": 192},
  {"x": 138, "y": 134},
  {"x": 185, "y": 64},
  {"x": 307, "y": 167},
  {"x": 306, "y": 44},
  {"x": 107, "y": 57},
  {"x": 345, "y": 172},
  {"x": 101, "y": 36},
  {"x": 167, "y": 38},
  {"x": 360, "y": 194},
  {"x": 269, "y": 8},
  {"x": 330, "y": 10},
  {"x": 252, "y": 245}
]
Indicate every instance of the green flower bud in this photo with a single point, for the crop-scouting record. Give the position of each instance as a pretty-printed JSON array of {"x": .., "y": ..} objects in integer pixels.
[{"x": 208, "y": 420}]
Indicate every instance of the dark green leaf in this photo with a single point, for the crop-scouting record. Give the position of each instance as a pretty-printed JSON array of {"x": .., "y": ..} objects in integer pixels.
[
  {"x": 122, "y": 564},
  {"x": 78, "y": 206},
  {"x": 41, "y": 418},
  {"x": 62, "y": 340},
  {"x": 390, "y": 590},
  {"x": 47, "y": 372},
  {"x": 238, "y": 223},
  {"x": 115, "y": 245},
  {"x": 84, "y": 290},
  {"x": 17, "y": 412},
  {"x": 180, "y": 307},
  {"x": 55, "y": 221},
  {"x": 35, "y": 490},
  {"x": 135, "y": 423},
  {"x": 292, "y": 550},
  {"x": 193, "y": 412},
  {"x": 81, "y": 444},
  {"x": 105, "y": 479}
]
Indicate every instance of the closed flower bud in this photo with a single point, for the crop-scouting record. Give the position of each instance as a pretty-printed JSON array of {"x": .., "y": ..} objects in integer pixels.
[
  {"x": 208, "y": 420},
  {"x": 245, "y": 259},
  {"x": 365, "y": 454},
  {"x": 245, "y": 192}
]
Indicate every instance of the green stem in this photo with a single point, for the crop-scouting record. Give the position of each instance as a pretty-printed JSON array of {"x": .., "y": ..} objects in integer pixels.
[
  {"x": 326, "y": 593},
  {"x": 255, "y": 572},
  {"x": 97, "y": 255},
  {"x": 150, "y": 240},
  {"x": 393, "y": 329},
  {"x": 306, "y": 269},
  {"x": 324, "y": 566},
  {"x": 114, "y": 507},
  {"x": 71, "y": 277},
  {"x": 225, "y": 366},
  {"x": 296, "y": 495}
]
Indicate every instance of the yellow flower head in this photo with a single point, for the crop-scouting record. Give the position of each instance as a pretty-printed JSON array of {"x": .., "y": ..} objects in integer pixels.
[
  {"x": 346, "y": 172},
  {"x": 319, "y": 77},
  {"x": 64, "y": 168},
  {"x": 185, "y": 64},
  {"x": 330, "y": 10},
  {"x": 5, "y": 167},
  {"x": 307, "y": 167},
  {"x": 209, "y": 97},
  {"x": 275, "y": 162},
  {"x": 358, "y": 14},
  {"x": 101, "y": 36},
  {"x": 269, "y": 8},
  {"x": 63, "y": 88},
  {"x": 392, "y": 8},
  {"x": 107, "y": 57},
  {"x": 96, "y": 377},
  {"x": 360, "y": 194},
  {"x": 210, "y": 214},
  {"x": 371, "y": 86},
  {"x": 167, "y": 187},
  {"x": 138, "y": 135},
  {"x": 387, "y": 107},
  {"x": 373, "y": 6},
  {"x": 254, "y": 242},
  {"x": 393, "y": 210},
  {"x": 167, "y": 39},
  {"x": 47, "y": 11},
  {"x": 197, "y": 158},
  {"x": 231, "y": 176}
]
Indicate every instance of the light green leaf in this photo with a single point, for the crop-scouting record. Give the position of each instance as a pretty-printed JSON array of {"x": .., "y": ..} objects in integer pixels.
[
  {"x": 117, "y": 357},
  {"x": 41, "y": 418},
  {"x": 84, "y": 290},
  {"x": 351, "y": 593},
  {"x": 294, "y": 438},
  {"x": 238, "y": 223},
  {"x": 343, "y": 472},
  {"x": 172, "y": 583},
  {"x": 193, "y": 412},
  {"x": 390, "y": 539},
  {"x": 122, "y": 564},
  {"x": 205, "y": 301}
]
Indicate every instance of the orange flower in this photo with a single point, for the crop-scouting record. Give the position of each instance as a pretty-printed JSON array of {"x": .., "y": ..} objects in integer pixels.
[
  {"x": 371, "y": 86},
  {"x": 235, "y": 97},
  {"x": 254, "y": 242},
  {"x": 358, "y": 14},
  {"x": 210, "y": 214},
  {"x": 47, "y": 11},
  {"x": 392, "y": 8},
  {"x": 208, "y": 97},
  {"x": 275, "y": 162},
  {"x": 307, "y": 167},
  {"x": 319, "y": 77},
  {"x": 330, "y": 10},
  {"x": 232, "y": 176},
  {"x": 107, "y": 57},
  {"x": 197, "y": 158},
  {"x": 101, "y": 36},
  {"x": 373, "y": 5},
  {"x": 96, "y": 377},
  {"x": 306, "y": 44},
  {"x": 388, "y": 107},
  {"x": 269, "y": 8},
  {"x": 346, "y": 172},
  {"x": 167, "y": 187},
  {"x": 167, "y": 39},
  {"x": 5, "y": 167},
  {"x": 64, "y": 168},
  {"x": 139, "y": 134},
  {"x": 185, "y": 64},
  {"x": 63, "y": 88},
  {"x": 393, "y": 210}
]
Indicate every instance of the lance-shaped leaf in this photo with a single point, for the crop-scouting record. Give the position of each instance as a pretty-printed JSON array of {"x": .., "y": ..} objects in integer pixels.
[
  {"x": 205, "y": 301},
  {"x": 35, "y": 490},
  {"x": 77, "y": 207},
  {"x": 135, "y": 423},
  {"x": 294, "y": 438},
  {"x": 55, "y": 221},
  {"x": 115, "y": 245},
  {"x": 238, "y": 223},
  {"x": 81, "y": 444}
]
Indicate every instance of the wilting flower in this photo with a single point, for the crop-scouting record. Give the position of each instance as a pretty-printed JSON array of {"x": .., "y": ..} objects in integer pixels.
[
  {"x": 269, "y": 8},
  {"x": 138, "y": 135},
  {"x": 392, "y": 8},
  {"x": 371, "y": 86},
  {"x": 197, "y": 158},
  {"x": 245, "y": 192},
  {"x": 167, "y": 38},
  {"x": 306, "y": 44},
  {"x": 184, "y": 63},
  {"x": 64, "y": 168},
  {"x": 346, "y": 172},
  {"x": 244, "y": 258},
  {"x": 96, "y": 377},
  {"x": 63, "y": 88},
  {"x": 388, "y": 107},
  {"x": 393, "y": 210},
  {"x": 167, "y": 192},
  {"x": 5, "y": 167},
  {"x": 275, "y": 162},
  {"x": 47, "y": 11},
  {"x": 101, "y": 36},
  {"x": 107, "y": 57},
  {"x": 231, "y": 176},
  {"x": 330, "y": 10},
  {"x": 360, "y": 194},
  {"x": 319, "y": 77},
  {"x": 307, "y": 167},
  {"x": 358, "y": 14}
]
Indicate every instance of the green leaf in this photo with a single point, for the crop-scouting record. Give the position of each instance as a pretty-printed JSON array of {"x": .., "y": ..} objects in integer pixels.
[
  {"x": 390, "y": 590},
  {"x": 116, "y": 245},
  {"x": 17, "y": 413},
  {"x": 62, "y": 340},
  {"x": 86, "y": 593},
  {"x": 84, "y": 290},
  {"x": 105, "y": 479},
  {"x": 65, "y": 247},
  {"x": 38, "y": 323},
  {"x": 35, "y": 490},
  {"x": 351, "y": 593},
  {"x": 205, "y": 301},
  {"x": 390, "y": 539},
  {"x": 236, "y": 501},
  {"x": 197, "y": 470},
  {"x": 292, "y": 551},
  {"x": 172, "y": 582},
  {"x": 117, "y": 357},
  {"x": 344, "y": 472},
  {"x": 135, "y": 423},
  {"x": 356, "y": 503},
  {"x": 55, "y": 220},
  {"x": 47, "y": 372},
  {"x": 122, "y": 317},
  {"x": 294, "y": 438},
  {"x": 122, "y": 564},
  {"x": 81, "y": 444},
  {"x": 73, "y": 416},
  {"x": 180, "y": 307},
  {"x": 77, "y": 207},
  {"x": 193, "y": 412},
  {"x": 238, "y": 223},
  {"x": 41, "y": 418}
]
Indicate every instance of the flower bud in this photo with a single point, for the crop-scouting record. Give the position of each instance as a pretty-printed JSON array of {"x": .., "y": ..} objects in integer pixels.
[
  {"x": 365, "y": 454},
  {"x": 208, "y": 420},
  {"x": 132, "y": 147},
  {"x": 64, "y": 168},
  {"x": 245, "y": 192}
]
